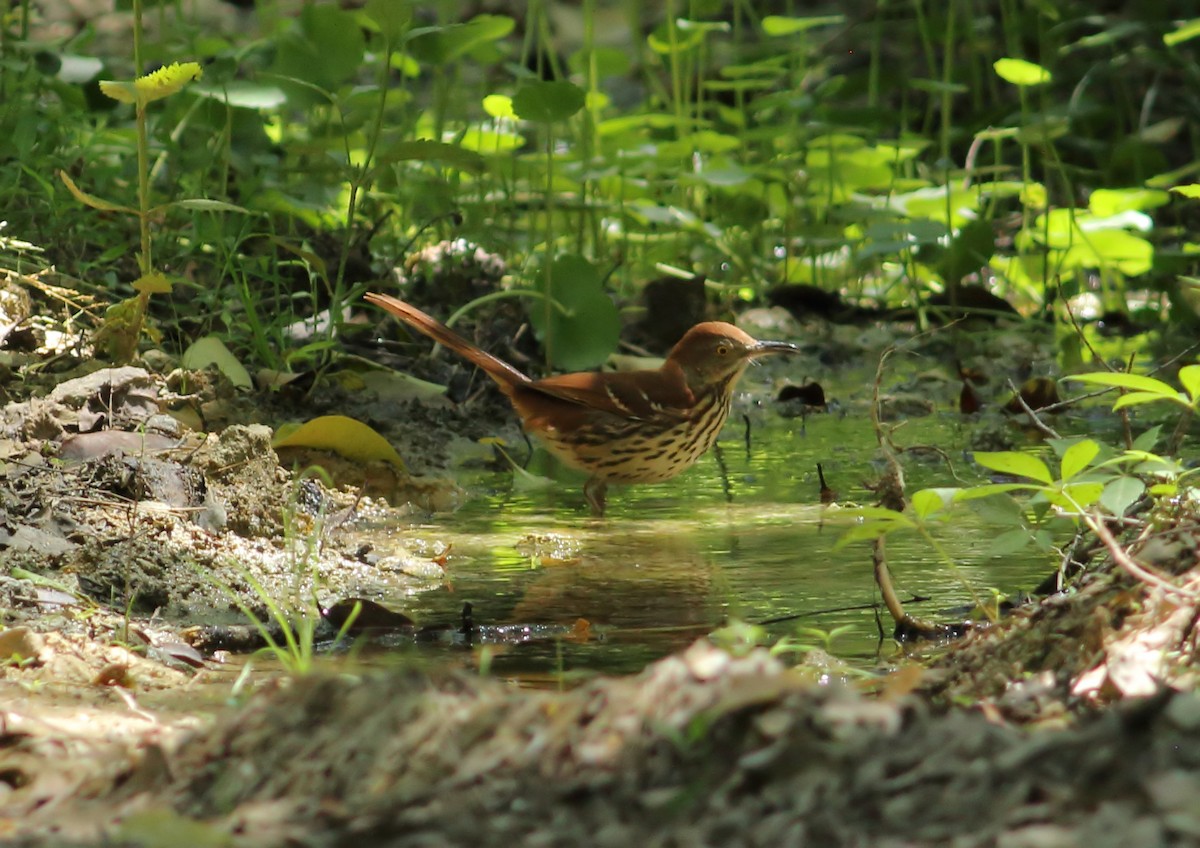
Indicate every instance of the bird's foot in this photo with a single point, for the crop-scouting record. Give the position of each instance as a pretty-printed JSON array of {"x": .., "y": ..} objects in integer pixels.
[{"x": 594, "y": 490}]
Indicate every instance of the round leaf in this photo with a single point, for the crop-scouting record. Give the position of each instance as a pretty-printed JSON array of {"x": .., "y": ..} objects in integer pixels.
[
  {"x": 545, "y": 102},
  {"x": 587, "y": 328},
  {"x": 499, "y": 106}
]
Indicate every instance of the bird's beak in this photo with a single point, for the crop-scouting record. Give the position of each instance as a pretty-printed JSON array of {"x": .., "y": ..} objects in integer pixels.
[{"x": 767, "y": 348}]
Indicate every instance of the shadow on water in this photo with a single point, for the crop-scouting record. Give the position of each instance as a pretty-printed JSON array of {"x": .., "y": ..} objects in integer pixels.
[{"x": 742, "y": 538}]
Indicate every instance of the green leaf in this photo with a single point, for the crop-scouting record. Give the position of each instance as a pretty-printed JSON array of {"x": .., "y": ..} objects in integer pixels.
[
  {"x": 1119, "y": 494},
  {"x": 212, "y": 351},
  {"x": 203, "y": 204},
  {"x": 1020, "y": 72},
  {"x": 1009, "y": 542},
  {"x": 443, "y": 44},
  {"x": 427, "y": 150},
  {"x": 868, "y": 531},
  {"x": 585, "y": 330},
  {"x": 1105, "y": 202},
  {"x": 499, "y": 106},
  {"x": 1044, "y": 540},
  {"x": 153, "y": 283},
  {"x": 664, "y": 42},
  {"x": 1186, "y": 31},
  {"x": 1077, "y": 457},
  {"x": 1015, "y": 463},
  {"x": 989, "y": 489},
  {"x": 778, "y": 25},
  {"x": 935, "y": 86},
  {"x": 326, "y": 51},
  {"x": 337, "y": 39},
  {"x": 488, "y": 142},
  {"x": 1189, "y": 378},
  {"x": 1076, "y": 495},
  {"x": 1128, "y": 253},
  {"x": 1191, "y": 190},
  {"x": 242, "y": 94},
  {"x": 391, "y": 16},
  {"x": 1139, "y": 398},
  {"x": 1120, "y": 379},
  {"x": 926, "y": 502},
  {"x": 1147, "y": 440},
  {"x": 1001, "y": 510},
  {"x": 545, "y": 102}
]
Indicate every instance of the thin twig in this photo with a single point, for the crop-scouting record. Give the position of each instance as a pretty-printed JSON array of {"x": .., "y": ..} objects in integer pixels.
[
  {"x": 1041, "y": 426},
  {"x": 1131, "y": 567}
]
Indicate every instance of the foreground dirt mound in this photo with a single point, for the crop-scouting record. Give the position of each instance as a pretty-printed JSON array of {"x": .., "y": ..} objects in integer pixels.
[{"x": 701, "y": 749}]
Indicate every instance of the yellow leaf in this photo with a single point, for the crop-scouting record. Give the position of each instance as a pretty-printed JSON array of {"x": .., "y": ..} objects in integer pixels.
[
  {"x": 90, "y": 199},
  {"x": 166, "y": 81},
  {"x": 340, "y": 434},
  {"x": 152, "y": 283},
  {"x": 119, "y": 90},
  {"x": 121, "y": 330},
  {"x": 153, "y": 86}
]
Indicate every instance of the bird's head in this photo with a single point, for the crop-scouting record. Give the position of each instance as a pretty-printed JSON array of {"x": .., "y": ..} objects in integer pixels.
[{"x": 715, "y": 353}]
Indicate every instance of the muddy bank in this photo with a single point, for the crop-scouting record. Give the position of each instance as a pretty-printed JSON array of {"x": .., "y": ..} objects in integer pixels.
[
  {"x": 701, "y": 749},
  {"x": 108, "y": 499}
]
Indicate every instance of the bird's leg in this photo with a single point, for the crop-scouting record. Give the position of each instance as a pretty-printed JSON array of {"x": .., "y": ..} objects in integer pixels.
[{"x": 594, "y": 490}]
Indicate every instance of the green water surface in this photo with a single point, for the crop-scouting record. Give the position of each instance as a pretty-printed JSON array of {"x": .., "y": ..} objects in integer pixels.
[{"x": 739, "y": 537}]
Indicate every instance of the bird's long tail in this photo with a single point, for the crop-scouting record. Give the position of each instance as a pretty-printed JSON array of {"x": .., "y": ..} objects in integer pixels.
[{"x": 504, "y": 374}]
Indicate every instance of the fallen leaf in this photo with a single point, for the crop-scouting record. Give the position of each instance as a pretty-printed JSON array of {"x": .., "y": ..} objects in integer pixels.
[
  {"x": 342, "y": 435},
  {"x": 212, "y": 351}
]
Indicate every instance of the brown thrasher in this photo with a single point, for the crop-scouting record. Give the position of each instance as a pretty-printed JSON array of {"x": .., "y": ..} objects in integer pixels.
[{"x": 620, "y": 427}]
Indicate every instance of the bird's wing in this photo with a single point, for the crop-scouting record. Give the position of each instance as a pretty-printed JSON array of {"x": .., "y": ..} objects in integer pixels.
[{"x": 632, "y": 394}]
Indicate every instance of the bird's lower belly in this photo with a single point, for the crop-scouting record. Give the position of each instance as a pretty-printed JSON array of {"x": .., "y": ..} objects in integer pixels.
[{"x": 635, "y": 459}]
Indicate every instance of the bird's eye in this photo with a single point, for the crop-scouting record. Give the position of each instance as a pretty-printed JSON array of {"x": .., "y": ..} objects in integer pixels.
[{"x": 722, "y": 349}]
